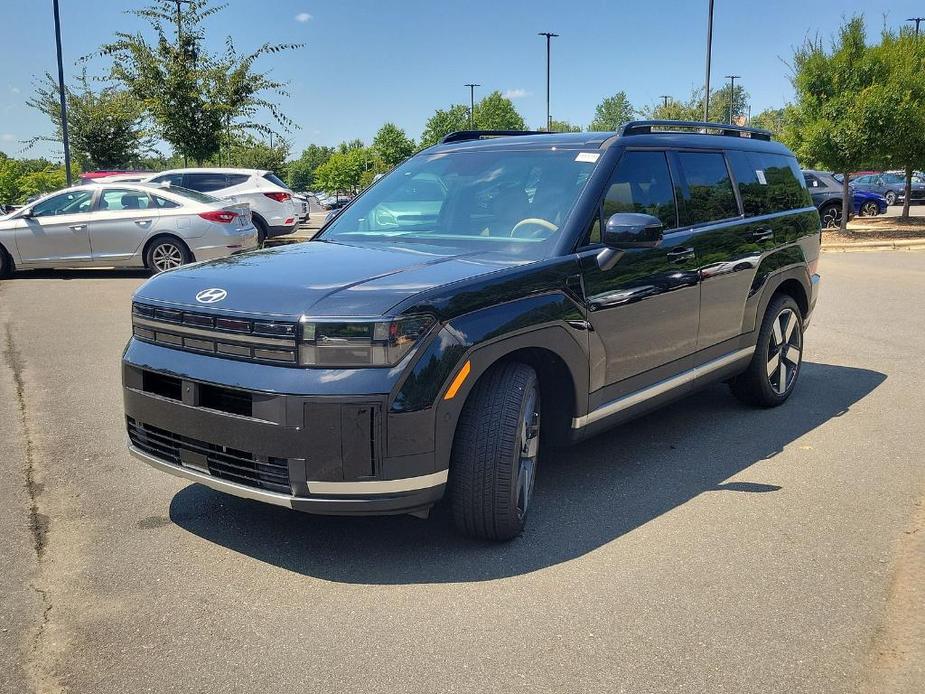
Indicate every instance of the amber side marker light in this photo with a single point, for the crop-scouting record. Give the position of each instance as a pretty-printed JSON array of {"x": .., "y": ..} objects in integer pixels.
[{"x": 458, "y": 381}]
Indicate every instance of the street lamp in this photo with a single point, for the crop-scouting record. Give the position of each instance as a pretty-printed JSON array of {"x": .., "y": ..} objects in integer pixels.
[
  {"x": 706, "y": 81},
  {"x": 664, "y": 98},
  {"x": 917, "y": 20},
  {"x": 67, "y": 145},
  {"x": 732, "y": 93},
  {"x": 549, "y": 36},
  {"x": 472, "y": 87}
]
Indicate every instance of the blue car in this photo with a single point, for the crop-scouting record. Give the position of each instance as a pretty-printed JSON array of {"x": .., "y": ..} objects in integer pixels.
[
  {"x": 826, "y": 191},
  {"x": 869, "y": 204}
]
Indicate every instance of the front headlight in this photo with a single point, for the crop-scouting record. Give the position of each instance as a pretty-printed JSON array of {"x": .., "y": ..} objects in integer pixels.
[{"x": 348, "y": 343}]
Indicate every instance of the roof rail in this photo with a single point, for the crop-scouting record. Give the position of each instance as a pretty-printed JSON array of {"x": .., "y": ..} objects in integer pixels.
[
  {"x": 644, "y": 127},
  {"x": 465, "y": 135}
]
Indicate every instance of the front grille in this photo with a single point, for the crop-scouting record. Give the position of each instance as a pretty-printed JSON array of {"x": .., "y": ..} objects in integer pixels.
[
  {"x": 261, "y": 472},
  {"x": 273, "y": 342}
]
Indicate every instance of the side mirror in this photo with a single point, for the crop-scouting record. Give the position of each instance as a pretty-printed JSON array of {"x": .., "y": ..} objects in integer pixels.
[
  {"x": 26, "y": 214},
  {"x": 332, "y": 214},
  {"x": 632, "y": 230}
]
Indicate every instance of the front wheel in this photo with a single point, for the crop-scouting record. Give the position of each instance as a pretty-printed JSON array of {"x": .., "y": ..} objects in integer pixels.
[
  {"x": 890, "y": 197},
  {"x": 831, "y": 216},
  {"x": 775, "y": 366},
  {"x": 493, "y": 466}
]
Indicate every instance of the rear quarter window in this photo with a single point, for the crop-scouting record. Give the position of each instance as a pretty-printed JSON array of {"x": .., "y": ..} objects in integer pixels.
[
  {"x": 273, "y": 178},
  {"x": 237, "y": 179},
  {"x": 769, "y": 183}
]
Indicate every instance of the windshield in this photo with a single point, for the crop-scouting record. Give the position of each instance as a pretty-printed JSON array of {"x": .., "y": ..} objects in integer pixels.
[{"x": 509, "y": 202}]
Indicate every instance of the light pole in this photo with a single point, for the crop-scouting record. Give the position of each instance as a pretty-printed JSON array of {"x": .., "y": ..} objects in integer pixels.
[
  {"x": 732, "y": 93},
  {"x": 549, "y": 36},
  {"x": 472, "y": 87},
  {"x": 917, "y": 20},
  {"x": 67, "y": 145},
  {"x": 706, "y": 81},
  {"x": 664, "y": 98}
]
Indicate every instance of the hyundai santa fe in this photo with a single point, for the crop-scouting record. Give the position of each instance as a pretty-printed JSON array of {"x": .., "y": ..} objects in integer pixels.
[{"x": 493, "y": 296}]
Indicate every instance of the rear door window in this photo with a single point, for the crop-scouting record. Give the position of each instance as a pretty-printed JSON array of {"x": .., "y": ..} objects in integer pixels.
[
  {"x": 205, "y": 182},
  {"x": 707, "y": 193},
  {"x": 118, "y": 200},
  {"x": 769, "y": 183},
  {"x": 175, "y": 179},
  {"x": 273, "y": 178}
]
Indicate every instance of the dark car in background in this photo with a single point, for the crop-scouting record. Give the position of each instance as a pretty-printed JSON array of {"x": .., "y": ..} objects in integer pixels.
[
  {"x": 489, "y": 297},
  {"x": 826, "y": 191},
  {"x": 891, "y": 186}
]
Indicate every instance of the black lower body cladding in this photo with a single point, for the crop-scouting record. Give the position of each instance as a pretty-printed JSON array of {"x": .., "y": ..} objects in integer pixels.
[{"x": 321, "y": 453}]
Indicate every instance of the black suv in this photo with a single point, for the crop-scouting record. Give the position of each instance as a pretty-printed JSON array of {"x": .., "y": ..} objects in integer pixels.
[{"x": 495, "y": 294}]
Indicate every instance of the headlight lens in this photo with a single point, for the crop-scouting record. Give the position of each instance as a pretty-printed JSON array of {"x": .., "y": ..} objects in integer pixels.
[{"x": 360, "y": 343}]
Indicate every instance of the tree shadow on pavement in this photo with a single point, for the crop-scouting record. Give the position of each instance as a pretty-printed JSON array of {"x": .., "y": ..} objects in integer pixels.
[{"x": 586, "y": 496}]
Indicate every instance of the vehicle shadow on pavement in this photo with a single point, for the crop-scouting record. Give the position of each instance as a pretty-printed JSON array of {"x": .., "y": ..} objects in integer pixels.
[
  {"x": 586, "y": 496},
  {"x": 78, "y": 274}
]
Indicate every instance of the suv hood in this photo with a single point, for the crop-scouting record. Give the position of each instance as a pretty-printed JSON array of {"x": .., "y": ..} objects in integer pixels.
[{"x": 315, "y": 278}]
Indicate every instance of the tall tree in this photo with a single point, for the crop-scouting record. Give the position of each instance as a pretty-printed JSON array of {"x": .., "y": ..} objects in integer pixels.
[
  {"x": 392, "y": 145},
  {"x": 496, "y": 112},
  {"x": 612, "y": 112},
  {"x": 443, "y": 122},
  {"x": 301, "y": 171},
  {"x": 105, "y": 127},
  {"x": 192, "y": 96},
  {"x": 841, "y": 106},
  {"x": 562, "y": 126}
]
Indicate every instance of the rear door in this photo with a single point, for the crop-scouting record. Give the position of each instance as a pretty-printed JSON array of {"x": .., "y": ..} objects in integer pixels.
[
  {"x": 122, "y": 221},
  {"x": 58, "y": 232}
]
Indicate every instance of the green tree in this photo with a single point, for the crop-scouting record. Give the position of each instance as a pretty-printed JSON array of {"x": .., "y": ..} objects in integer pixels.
[
  {"x": 392, "y": 145},
  {"x": 194, "y": 98},
  {"x": 562, "y": 126},
  {"x": 301, "y": 171},
  {"x": 841, "y": 106},
  {"x": 496, "y": 112},
  {"x": 691, "y": 109},
  {"x": 612, "y": 112},
  {"x": 250, "y": 153},
  {"x": 105, "y": 127},
  {"x": 348, "y": 171},
  {"x": 444, "y": 122},
  {"x": 771, "y": 119},
  {"x": 349, "y": 145}
]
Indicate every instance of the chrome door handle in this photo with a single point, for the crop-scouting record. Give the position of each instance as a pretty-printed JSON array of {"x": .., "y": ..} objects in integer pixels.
[
  {"x": 142, "y": 222},
  {"x": 680, "y": 255},
  {"x": 761, "y": 235},
  {"x": 77, "y": 227}
]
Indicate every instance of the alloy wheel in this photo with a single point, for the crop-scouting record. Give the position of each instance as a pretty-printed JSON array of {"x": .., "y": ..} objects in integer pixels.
[
  {"x": 529, "y": 448},
  {"x": 870, "y": 209},
  {"x": 831, "y": 217},
  {"x": 890, "y": 197},
  {"x": 166, "y": 256},
  {"x": 784, "y": 351}
]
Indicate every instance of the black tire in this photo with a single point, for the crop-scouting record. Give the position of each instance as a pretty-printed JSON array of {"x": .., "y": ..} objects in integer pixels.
[
  {"x": 495, "y": 452},
  {"x": 6, "y": 264},
  {"x": 777, "y": 359},
  {"x": 890, "y": 197},
  {"x": 166, "y": 253},
  {"x": 262, "y": 229},
  {"x": 831, "y": 215}
]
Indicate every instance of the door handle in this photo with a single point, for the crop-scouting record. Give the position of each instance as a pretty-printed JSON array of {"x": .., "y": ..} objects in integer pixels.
[
  {"x": 761, "y": 235},
  {"x": 142, "y": 222},
  {"x": 77, "y": 227},
  {"x": 680, "y": 255}
]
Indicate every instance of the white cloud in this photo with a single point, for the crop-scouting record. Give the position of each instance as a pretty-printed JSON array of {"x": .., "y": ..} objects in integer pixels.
[
  {"x": 7, "y": 137},
  {"x": 15, "y": 90},
  {"x": 515, "y": 93},
  {"x": 303, "y": 17}
]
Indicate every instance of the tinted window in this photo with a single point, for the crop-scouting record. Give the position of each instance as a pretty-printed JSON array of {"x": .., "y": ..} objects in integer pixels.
[
  {"x": 164, "y": 203},
  {"x": 67, "y": 203},
  {"x": 117, "y": 200},
  {"x": 171, "y": 179},
  {"x": 204, "y": 182},
  {"x": 641, "y": 182},
  {"x": 892, "y": 179},
  {"x": 768, "y": 182},
  {"x": 273, "y": 178},
  {"x": 237, "y": 179},
  {"x": 811, "y": 181},
  {"x": 708, "y": 196}
]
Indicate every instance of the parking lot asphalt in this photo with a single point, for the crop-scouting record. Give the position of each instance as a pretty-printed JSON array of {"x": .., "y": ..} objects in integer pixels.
[{"x": 707, "y": 547}]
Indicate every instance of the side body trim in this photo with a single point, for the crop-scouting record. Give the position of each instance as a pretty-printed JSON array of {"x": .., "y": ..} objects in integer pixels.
[{"x": 661, "y": 387}]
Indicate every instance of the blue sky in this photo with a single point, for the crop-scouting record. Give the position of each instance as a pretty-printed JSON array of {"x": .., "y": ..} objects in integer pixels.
[{"x": 368, "y": 61}]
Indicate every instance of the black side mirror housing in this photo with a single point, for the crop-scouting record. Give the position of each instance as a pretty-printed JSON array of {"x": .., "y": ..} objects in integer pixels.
[{"x": 626, "y": 230}]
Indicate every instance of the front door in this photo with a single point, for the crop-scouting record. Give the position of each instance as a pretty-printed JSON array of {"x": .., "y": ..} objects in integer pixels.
[
  {"x": 122, "y": 221},
  {"x": 57, "y": 232},
  {"x": 645, "y": 309}
]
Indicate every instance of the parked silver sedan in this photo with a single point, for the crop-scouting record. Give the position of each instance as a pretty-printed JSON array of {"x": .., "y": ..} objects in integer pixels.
[{"x": 123, "y": 225}]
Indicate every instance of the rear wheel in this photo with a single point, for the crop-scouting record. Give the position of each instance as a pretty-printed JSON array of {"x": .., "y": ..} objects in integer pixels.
[
  {"x": 775, "y": 366},
  {"x": 261, "y": 230},
  {"x": 831, "y": 216},
  {"x": 890, "y": 197},
  {"x": 167, "y": 253},
  {"x": 495, "y": 451},
  {"x": 870, "y": 209},
  {"x": 6, "y": 264}
]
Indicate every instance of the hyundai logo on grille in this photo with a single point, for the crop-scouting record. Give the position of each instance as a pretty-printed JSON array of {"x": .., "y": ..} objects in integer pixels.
[{"x": 211, "y": 296}]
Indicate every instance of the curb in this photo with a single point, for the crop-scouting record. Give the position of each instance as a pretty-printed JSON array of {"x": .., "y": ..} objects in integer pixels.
[{"x": 885, "y": 245}]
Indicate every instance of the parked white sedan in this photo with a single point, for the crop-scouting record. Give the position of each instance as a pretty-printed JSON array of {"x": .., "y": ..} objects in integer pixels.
[{"x": 123, "y": 225}]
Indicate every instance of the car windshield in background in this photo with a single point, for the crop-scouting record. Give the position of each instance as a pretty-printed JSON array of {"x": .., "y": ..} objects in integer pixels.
[
  {"x": 186, "y": 193},
  {"x": 511, "y": 202}
]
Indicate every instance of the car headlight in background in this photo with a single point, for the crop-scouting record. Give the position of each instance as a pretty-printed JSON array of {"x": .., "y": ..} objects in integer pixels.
[{"x": 360, "y": 343}]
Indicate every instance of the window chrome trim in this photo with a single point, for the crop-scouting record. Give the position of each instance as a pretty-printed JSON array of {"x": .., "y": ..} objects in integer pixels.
[{"x": 660, "y": 388}]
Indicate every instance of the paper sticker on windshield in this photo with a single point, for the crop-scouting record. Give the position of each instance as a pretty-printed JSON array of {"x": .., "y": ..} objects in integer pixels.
[
  {"x": 761, "y": 179},
  {"x": 589, "y": 157}
]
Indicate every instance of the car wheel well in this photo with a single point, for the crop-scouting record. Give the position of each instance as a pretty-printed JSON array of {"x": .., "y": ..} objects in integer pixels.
[
  {"x": 151, "y": 241},
  {"x": 794, "y": 290},
  {"x": 10, "y": 264}
]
